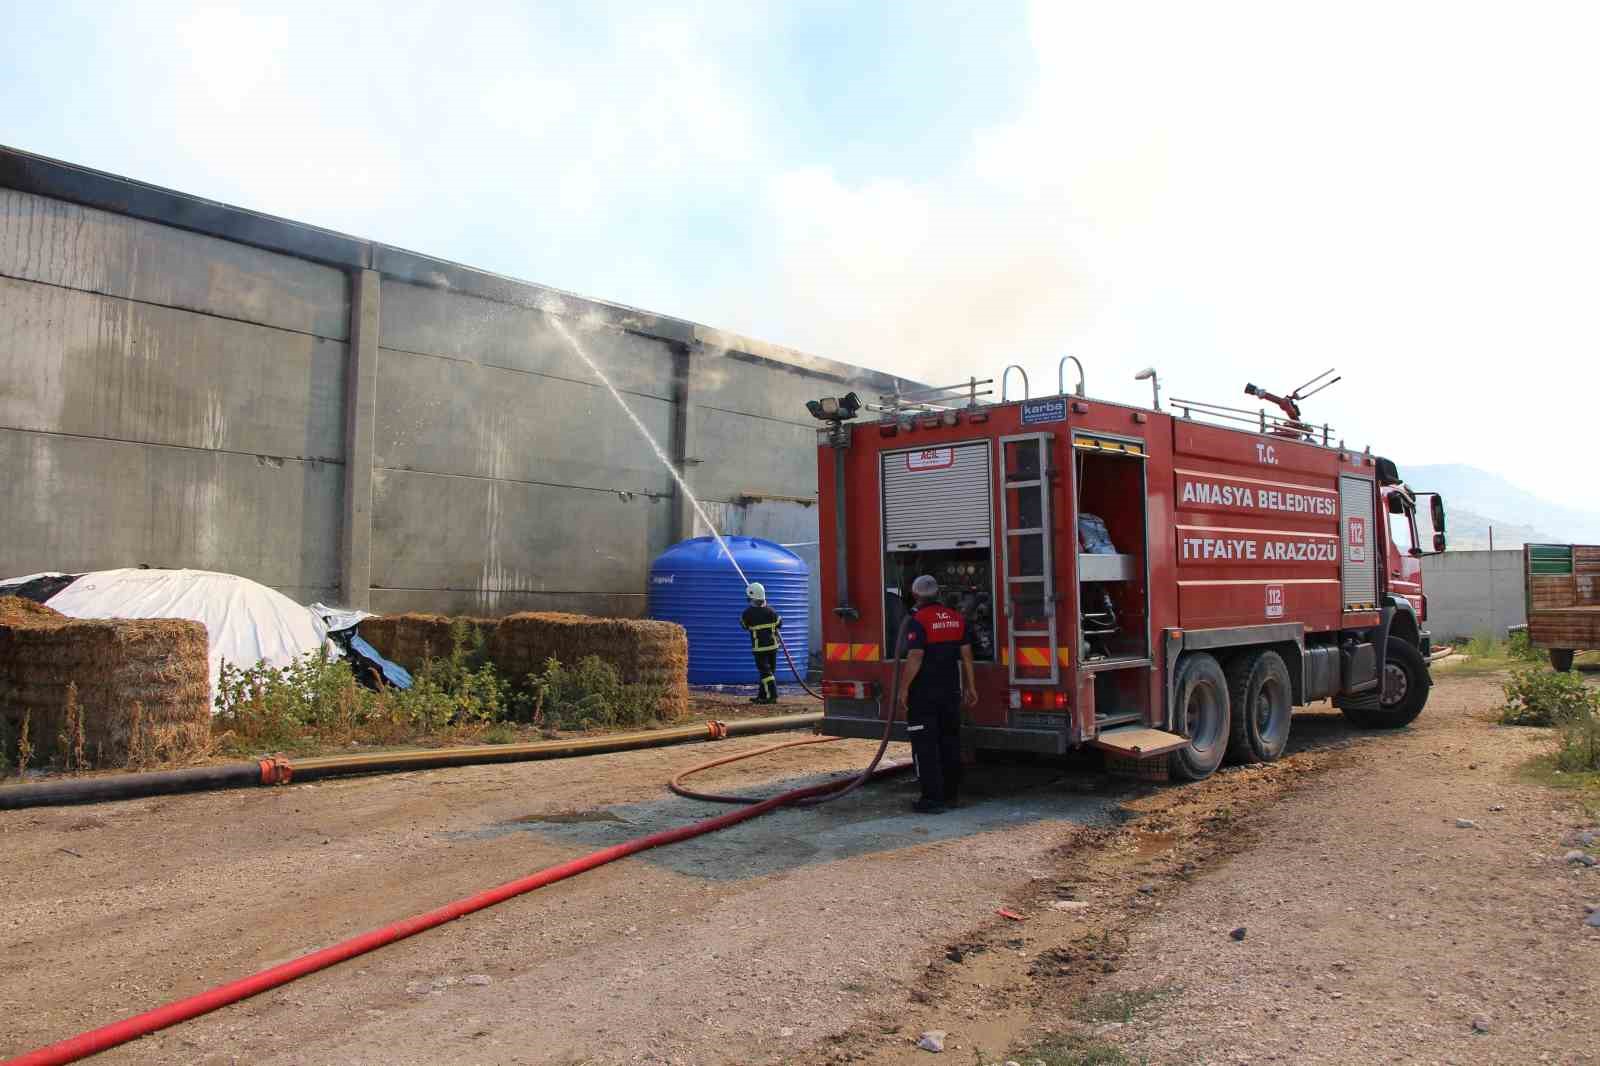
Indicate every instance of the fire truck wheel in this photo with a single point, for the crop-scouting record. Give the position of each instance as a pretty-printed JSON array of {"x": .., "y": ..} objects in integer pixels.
[
  {"x": 1561, "y": 659},
  {"x": 1262, "y": 698},
  {"x": 1202, "y": 691},
  {"x": 1404, "y": 691}
]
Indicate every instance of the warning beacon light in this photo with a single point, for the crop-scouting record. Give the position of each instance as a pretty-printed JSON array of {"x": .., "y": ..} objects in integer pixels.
[{"x": 834, "y": 408}]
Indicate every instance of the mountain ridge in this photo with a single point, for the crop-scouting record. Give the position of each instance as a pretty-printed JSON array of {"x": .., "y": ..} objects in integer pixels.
[{"x": 1476, "y": 500}]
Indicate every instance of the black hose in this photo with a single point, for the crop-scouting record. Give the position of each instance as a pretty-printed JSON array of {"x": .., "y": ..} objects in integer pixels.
[
  {"x": 278, "y": 770},
  {"x": 795, "y": 670},
  {"x": 130, "y": 786}
]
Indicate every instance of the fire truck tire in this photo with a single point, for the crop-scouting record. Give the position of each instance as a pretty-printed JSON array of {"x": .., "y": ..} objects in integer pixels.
[
  {"x": 1262, "y": 699},
  {"x": 1404, "y": 695},
  {"x": 1561, "y": 659},
  {"x": 1202, "y": 691}
]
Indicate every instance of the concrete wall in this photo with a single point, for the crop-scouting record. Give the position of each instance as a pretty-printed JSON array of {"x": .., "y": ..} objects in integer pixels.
[
  {"x": 166, "y": 398},
  {"x": 1472, "y": 592},
  {"x": 187, "y": 384}
]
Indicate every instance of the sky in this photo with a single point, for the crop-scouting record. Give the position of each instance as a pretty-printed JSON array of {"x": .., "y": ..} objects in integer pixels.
[{"x": 1228, "y": 192}]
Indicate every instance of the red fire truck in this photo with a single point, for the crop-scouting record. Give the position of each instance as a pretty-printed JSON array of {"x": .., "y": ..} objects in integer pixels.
[{"x": 1157, "y": 583}]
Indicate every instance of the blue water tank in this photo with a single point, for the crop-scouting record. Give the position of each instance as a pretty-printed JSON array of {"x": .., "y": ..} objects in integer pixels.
[{"x": 692, "y": 584}]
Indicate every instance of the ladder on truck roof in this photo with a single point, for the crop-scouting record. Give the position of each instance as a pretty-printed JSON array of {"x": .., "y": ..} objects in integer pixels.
[{"x": 1025, "y": 528}]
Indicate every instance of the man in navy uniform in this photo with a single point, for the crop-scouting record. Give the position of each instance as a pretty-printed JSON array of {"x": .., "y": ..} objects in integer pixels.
[
  {"x": 763, "y": 622},
  {"x": 936, "y": 681}
]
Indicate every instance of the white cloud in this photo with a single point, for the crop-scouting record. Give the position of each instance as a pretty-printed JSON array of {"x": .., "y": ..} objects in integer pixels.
[
  {"x": 1251, "y": 192},
  {"x": 1228, "y": 191}
]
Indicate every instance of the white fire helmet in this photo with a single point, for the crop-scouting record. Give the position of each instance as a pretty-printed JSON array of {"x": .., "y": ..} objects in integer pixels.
[{"x": 756, "y": 592}]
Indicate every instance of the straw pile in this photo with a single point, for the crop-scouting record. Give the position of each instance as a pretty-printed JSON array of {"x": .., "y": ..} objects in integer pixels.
[
  {"x": 408, "y": 639},
  {"x": 143, "y": 688},
  {"x": 643, "y": 652},
  {"x": 16, "y": 611}
]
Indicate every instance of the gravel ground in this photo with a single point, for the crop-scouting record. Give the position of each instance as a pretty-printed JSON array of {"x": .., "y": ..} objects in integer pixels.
[
  {"x": 1376, "y": 929},
  {"x": 736, "y": 947},
  {"x": 1338, "y": 915}
]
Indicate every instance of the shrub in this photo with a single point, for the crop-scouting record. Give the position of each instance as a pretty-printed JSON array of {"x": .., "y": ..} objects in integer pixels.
[
  {"x": 265, "y": 706},
  {"x": 1483, "y": 646},
  {"x": 588, "y": 695},
  {"x": 1520, "y": 647},
  {"x": 316, "y": 700},
  {"x": 1536, "y": 696}
]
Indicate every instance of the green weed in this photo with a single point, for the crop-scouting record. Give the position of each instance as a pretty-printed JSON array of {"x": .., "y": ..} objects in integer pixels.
[
  {"x": 1541, "y": 697},
  {"x": 588, "y": 695},
  {"x": 1071, "y": 1049},
  {"x": 499, "y": 733},
  {"x": 1520, "y": 648},
  {"x": 1119, "y": 1006},
  {"x": 1582, "y": 786},
  {"x": 1579, "y": 750},
  {"x": 316, "y": 702}
]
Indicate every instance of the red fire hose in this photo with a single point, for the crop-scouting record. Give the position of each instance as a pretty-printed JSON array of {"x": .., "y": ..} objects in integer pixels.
[{"x": 109, "y": 1036}]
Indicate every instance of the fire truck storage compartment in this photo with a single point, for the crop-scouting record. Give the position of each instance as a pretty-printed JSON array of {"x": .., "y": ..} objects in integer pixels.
[
  {"x": 1120, "y": 697},
  {"x": 1358, "y": 562},
  {"x": 938, "y": 519},
  {"x": 1113, "y": 596}
]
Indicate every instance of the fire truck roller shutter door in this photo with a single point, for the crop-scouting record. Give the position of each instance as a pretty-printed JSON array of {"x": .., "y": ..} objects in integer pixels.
[
  {"x": 1358, "y": 557},
  {"x": 937, "y": 499}
]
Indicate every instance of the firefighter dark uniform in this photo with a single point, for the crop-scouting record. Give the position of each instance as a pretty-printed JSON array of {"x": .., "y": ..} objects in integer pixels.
[
  {"x": 763, "y": 622},
  {"x": 933, "y": 703}
]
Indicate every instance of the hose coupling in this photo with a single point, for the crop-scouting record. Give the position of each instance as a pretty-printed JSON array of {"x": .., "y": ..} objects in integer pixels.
[
  {"x": 718, "y": 730},
  {"x": 276, "y": 770}
]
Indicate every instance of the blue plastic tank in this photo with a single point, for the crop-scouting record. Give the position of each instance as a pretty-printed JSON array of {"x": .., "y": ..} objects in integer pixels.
[{"x": 692, "y": 584}]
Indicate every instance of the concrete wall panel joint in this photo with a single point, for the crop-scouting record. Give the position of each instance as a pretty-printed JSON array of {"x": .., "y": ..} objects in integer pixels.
[{"x": 361, "y": 390}]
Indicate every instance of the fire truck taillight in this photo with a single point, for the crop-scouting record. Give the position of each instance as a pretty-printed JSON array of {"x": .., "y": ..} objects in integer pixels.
[
  {"x": 849, "y": 690},
  {"x": 1032, "y": 699}
]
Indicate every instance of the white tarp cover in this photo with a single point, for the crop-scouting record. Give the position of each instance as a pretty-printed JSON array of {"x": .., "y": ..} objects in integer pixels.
[{"x": 245, "y": 621}]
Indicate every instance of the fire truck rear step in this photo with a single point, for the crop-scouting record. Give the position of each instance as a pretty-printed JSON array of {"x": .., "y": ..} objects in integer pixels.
[{"x": 1139, "y": 742}]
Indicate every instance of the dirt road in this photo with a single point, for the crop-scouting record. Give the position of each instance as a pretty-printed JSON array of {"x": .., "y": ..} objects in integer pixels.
[
  {"x": 1375, "y": 928},
  {"x": 831, "y": 935}
]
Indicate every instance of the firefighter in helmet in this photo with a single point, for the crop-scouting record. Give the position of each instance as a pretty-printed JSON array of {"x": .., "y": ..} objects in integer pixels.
[
  {"x": 763, "y": 622},
  {"x": 935, "y": 683}
]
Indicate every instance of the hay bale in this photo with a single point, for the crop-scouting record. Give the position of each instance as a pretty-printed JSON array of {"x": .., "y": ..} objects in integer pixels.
[
  {"x": 408, "y": 639},
  {"x": 643, "y": 651},
  {"x": 143, "y": 687},
  {"x": 17, "y": 611}
]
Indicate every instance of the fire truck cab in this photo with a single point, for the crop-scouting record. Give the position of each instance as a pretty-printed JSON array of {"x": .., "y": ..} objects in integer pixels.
[{"x": 1165, "y": 585}]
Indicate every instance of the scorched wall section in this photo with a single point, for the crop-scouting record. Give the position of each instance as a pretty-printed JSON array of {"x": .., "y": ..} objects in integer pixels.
[
  {"x": 181, "y": 384},
  {"x": 166, "y": 398}
]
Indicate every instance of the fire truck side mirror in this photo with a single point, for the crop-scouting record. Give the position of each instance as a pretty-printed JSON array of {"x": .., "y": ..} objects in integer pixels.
[{"x": 1435, "y": 513}]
